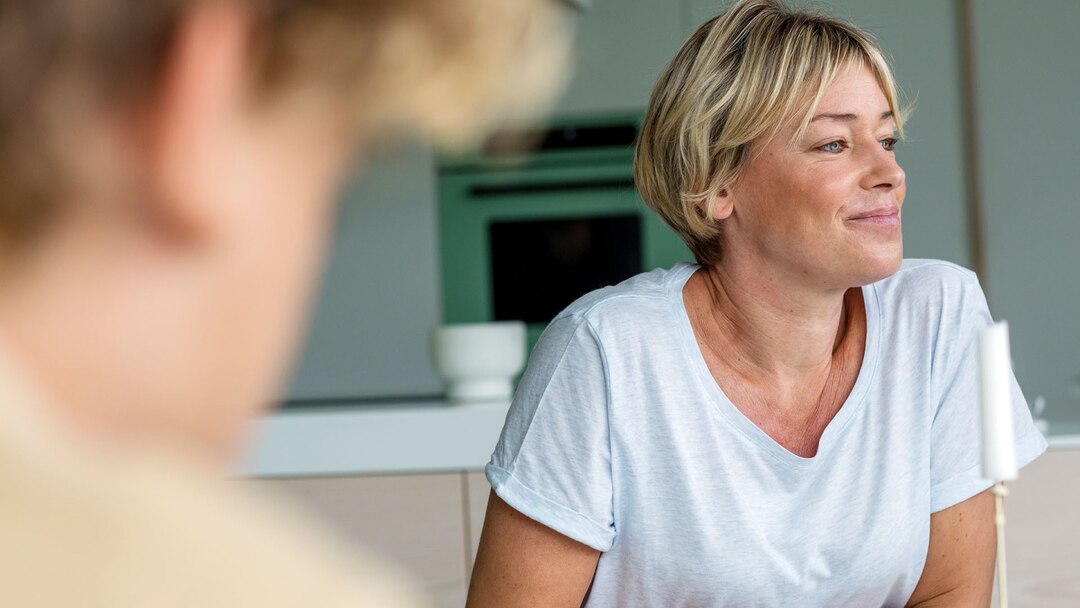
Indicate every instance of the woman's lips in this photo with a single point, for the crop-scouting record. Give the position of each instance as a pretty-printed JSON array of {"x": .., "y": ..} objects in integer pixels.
[{"x": 887, "y": 218}]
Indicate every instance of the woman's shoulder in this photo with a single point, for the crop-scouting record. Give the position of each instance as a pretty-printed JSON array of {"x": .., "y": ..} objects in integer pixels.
[
  {"x": 924, "y": 269},
  {"x": 934, "y": 290},
  {"x": 926, "y": 278},
  {"x": 636, "y": 298}
]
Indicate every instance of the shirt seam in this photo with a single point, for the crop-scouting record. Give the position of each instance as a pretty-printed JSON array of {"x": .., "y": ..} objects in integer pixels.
[
  {"x": 608, "y": 405},
  {"x": 584, "y": 315},
  {"x": 512, "y": 465},
  {"x": 600, "y": 528},
  {"x": 659, "y": 293}
]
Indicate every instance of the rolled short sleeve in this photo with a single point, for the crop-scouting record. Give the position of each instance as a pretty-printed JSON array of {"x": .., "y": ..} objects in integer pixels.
[
  {"x": 955, "y": 453},
  {"x": 553, "y": 460}
]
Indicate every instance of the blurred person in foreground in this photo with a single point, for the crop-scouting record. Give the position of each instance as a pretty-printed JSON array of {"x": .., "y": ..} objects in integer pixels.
[
  {"x": 167, "y": 178},
  {"x": 791, "y": 421}
]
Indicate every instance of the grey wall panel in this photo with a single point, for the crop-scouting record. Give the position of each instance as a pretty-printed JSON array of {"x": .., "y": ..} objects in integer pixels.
[
  {"x": 1028, "y": 69},
  {"x": 380, "y": 295},
  {"x": 620, "y": 48}
]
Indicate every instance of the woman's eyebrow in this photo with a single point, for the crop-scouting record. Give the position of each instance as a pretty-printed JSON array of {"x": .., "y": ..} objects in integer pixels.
[{"x": 849, "y": 117}]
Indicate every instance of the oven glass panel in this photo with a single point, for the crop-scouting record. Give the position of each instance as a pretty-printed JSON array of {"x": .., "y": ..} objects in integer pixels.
[{"x": 538, "y": 267}]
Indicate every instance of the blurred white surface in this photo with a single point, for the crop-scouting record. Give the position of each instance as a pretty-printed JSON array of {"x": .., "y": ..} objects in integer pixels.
[{"x": 394, "y": 437}]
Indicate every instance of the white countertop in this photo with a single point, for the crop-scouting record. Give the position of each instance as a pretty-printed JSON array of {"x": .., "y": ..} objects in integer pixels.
[
  {"x": 426, "y": 436},
  {"x": 394, "y": 437}
]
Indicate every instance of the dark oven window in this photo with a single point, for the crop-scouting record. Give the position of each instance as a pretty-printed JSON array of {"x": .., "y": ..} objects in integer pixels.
[{"x": 538, "y": 267}]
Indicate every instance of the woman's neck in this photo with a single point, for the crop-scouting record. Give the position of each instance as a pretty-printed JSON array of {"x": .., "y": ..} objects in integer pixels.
[{"x": 769, "y": 328}]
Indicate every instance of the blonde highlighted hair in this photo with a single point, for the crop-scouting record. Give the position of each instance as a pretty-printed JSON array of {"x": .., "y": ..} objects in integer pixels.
[
  {"x": 741, "y": 76},
  {"x": 449, "y": 69}
]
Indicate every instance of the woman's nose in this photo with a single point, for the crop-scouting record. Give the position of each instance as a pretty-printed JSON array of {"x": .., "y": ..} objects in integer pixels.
[{"x": 883, "y": 171}]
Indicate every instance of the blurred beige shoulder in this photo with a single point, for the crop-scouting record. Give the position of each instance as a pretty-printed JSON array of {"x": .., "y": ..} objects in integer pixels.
[{"x": 157, "y": 530}]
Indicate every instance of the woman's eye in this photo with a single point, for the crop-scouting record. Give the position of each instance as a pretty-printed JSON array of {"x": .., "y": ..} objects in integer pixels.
[
  {"x": 832, "y": 146},
  {"x": 889, "y": 143}
]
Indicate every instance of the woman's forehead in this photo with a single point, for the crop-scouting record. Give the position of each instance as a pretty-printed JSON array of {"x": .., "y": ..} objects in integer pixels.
[{"x": 854, "y": 95}]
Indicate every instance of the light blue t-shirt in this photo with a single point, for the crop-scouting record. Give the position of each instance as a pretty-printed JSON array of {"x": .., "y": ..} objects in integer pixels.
[{"x": 620, "y": 438}]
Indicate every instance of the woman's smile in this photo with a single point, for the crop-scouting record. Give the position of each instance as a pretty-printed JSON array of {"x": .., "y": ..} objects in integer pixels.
[{"x": 887, "y": 218}]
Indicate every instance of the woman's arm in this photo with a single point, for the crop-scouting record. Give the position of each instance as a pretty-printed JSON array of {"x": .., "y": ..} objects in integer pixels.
[
  {"x": 524, "y": 563},
  {"x": 959, "y": 567}
]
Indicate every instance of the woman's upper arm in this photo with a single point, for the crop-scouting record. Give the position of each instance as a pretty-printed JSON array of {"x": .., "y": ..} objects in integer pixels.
[
  {"x": 524, "y": 563},
  {"x": 959, "y": 568}
]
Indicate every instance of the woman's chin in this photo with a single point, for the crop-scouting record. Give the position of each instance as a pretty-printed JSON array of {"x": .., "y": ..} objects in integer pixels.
[{"x": 880, "y": 266}]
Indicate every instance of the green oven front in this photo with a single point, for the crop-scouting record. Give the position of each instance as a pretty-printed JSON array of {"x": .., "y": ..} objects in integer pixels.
[{"x": 521, "y": 241}]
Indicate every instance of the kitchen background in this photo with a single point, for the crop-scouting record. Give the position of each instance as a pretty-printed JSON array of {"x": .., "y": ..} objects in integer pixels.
[{"x": 992, "y": 159}]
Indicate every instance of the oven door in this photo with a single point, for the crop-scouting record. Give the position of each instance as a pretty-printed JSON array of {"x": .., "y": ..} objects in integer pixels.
[{"x": 522, "y": 244}]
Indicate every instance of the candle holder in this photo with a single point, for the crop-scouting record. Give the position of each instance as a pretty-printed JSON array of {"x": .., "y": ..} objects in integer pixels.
[{"x": 1000, "y": 492}]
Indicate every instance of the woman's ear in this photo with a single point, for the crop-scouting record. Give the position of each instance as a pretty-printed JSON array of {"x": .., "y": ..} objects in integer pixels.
[
  {"x": 720, "y": 205},
  {"x": 194, "y": 126}
]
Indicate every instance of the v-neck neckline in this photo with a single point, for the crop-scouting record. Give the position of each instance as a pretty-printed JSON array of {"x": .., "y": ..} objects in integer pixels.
[{"x": 733, "y": 415}]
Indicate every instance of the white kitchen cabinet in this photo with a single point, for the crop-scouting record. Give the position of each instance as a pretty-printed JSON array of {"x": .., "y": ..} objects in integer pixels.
[
  {"x": 1042, "y": 533},
  {"x": 1029, "y": 81},
  {"x": 477, "y": 493},
  {"x": 415, "y": 522}
]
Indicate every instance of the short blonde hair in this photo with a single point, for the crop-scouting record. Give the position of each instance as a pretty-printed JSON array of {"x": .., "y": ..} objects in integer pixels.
[
  {"x": 742, "y": 75},
  {"x": 451, "y": 70}
]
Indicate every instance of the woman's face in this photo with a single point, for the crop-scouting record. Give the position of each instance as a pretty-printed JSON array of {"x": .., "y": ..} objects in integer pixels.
[{"x": 824, "y": 207}]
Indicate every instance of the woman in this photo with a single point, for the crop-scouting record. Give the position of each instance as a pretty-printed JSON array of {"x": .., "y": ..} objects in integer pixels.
[
  {"x": 792, "y": 421},
  {"x": 167, "y": 180}
]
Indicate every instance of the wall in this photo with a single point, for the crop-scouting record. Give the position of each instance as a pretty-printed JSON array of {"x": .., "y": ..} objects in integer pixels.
[
  {"x": 380, "y": 293},
  {"x": 1028, "y": 83},
  {"x": 620, "y": 48}
]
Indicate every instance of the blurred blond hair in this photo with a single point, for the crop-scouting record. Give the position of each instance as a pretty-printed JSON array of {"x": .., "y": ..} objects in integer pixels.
[
  {"x": 742, "y": 75},
  {"x": 452, "y": 70}
]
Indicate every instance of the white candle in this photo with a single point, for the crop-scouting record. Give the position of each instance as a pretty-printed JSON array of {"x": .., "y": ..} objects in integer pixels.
[{"x": 998, "y": 449}]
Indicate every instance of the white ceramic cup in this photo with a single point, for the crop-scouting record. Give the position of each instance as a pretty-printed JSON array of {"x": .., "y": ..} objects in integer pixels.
[{"x": 478, "y": 361}]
